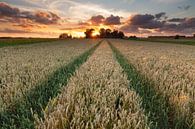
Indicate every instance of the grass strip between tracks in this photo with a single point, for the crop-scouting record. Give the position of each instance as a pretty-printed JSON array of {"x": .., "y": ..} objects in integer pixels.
[{"x": 155, "y": 106}]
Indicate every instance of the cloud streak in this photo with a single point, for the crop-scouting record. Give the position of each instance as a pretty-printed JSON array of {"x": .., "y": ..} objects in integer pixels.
[{"x": 7, "y": 30}]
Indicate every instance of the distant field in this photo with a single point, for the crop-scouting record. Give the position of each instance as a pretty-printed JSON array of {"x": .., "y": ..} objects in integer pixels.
[
  {"x": 23, "y": 41},
  {"x": 168, "y": 40}
]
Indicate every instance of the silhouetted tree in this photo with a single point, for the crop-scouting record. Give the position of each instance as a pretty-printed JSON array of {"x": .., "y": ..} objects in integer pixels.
[
  {"x": 65, "y": 36},
  {"x": 132, "y": 37},
  {"x": 177, "y": 37},
  {"x": 102, "y": 32},
  {"x": 115, "y": 34},
  {"x": 88, "y": 33},
  {"x": 108, "y": 33},
  {"x": 105, "y": 33},
  {"x": 121, "y": 35}
]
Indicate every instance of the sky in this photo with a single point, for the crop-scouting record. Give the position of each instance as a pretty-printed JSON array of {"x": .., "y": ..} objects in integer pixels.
[{"x": 50, "y": 18}]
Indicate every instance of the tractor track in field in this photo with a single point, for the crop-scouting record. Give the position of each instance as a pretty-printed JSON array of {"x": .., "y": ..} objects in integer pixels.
[
  {"x": 21, "y": 116},
  {"x": 156, "y": 106}
]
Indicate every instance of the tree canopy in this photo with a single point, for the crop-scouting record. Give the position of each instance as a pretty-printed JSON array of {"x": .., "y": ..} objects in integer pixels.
[{"x": 105, "y": 33}]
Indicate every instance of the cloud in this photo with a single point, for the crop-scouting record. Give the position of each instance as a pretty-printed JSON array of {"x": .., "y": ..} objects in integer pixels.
[
  {"x": 177, "y": 20},
  {"x": 99, "y": 19},
  {"x": 185, "y": 26},
  {"x": 81, "y": 23},
  {"x": 79, "y": 11},
  {"x": 96, "y": 20},
  {"x": 7, "y": 10},
  {"x": 15, "y": 14},
  {"x": 112, "y": 20},
  {"x": 184, "y": 7},
  {"x": 28, "y": 25},
  {"x": 160, "y": 15},
  {"x": 72, "y": 28},
  {"x": 141, "y": 19},
  {"x": 140, "y": 22},
  {"x": 146, "y": 21},
  {"x": 7, "y": 30},
  {"x": 45, "y": 17}
]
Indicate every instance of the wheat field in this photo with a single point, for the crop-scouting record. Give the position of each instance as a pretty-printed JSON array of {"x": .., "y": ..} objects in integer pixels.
[
  {"x": 97, "y": 84},
  {"x": 171, "y": 67},
  {"x": 23, "y": 67}
]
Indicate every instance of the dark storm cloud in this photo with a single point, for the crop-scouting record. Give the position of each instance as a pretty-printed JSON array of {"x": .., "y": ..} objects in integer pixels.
[
  {"x": 140, "y": 22},
  {"x": 15, "y": 14},
  {"x": 112, "y": 20}
]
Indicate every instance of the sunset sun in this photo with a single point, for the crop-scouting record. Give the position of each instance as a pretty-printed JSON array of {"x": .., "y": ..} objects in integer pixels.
[{"x": 95, "y": 33}]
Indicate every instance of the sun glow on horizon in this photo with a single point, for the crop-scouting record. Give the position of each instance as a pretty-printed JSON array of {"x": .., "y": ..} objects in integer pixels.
[
  {"x": 78, "y": 34},
  {"x": 95, "y": 33}
]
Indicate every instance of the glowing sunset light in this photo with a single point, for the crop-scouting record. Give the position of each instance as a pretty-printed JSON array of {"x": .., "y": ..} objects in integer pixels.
[
  {"x": 48, "y": 18},
  {"x": 95, "y": 33},
  {"x": 78, "y": 34}
]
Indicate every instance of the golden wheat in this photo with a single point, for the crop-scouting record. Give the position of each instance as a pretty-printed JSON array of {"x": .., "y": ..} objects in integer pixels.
[
  {"x": 23, "y": 67},
  {"x": 97, "y": 96},
  {"x": 170, "y": 66}
]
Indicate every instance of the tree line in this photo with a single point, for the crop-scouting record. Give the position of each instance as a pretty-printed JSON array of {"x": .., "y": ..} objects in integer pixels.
[{"x": 105, "y": 33}]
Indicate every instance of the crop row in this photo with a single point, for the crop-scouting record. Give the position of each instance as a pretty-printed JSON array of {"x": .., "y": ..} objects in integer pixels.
[
  {"x": 24, "y": 67},
  {"x": 19, "y": 114},
  {"x": 172, "y": 69},
  {"x": 97, "y": 96}
]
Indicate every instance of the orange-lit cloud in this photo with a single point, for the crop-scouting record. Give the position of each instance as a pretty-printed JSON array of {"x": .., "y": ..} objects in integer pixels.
[{"x": 14, "y": 14}]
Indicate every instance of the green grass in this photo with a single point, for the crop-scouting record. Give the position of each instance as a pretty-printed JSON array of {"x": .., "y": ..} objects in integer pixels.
[
  {"x": 23, "y": 41},
  {"x": 155, "y": 105},
  {"x": 168, "y": 40},
  {"x": 19, "y": 115}
]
